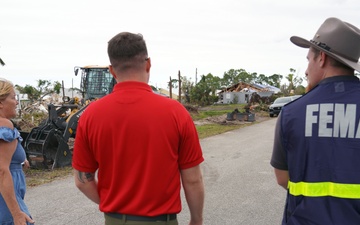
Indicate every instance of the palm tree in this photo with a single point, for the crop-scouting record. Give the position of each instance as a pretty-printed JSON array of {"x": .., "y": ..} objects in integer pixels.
[{"x": 290, "y": 78}]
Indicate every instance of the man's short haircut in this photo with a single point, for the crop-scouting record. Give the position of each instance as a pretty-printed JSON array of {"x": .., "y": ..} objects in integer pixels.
[
  {"x": 333, "y": 62},
  {"x": 127, "y": 50}
]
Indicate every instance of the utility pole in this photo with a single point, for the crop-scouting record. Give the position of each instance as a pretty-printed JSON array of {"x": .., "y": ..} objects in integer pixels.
[
  {"x": 170, "y": 88},
  {"x": 179, "y": 78},
  {"x": 196, "y": 76},
  {"x": 63, "y": 89}
]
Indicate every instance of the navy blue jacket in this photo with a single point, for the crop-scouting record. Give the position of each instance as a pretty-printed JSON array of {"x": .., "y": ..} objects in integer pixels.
[{"x": 321, "y": 140}]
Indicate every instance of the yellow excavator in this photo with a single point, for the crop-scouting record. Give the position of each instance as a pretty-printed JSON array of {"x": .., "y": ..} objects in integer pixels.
[{"x": 47, "y": 145}]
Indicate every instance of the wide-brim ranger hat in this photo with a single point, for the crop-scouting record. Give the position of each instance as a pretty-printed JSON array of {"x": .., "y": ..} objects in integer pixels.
[{"x": 338, "y": 39}]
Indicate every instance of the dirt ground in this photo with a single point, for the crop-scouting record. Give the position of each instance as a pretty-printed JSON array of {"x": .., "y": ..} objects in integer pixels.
[{"x": 259, "y": 117}]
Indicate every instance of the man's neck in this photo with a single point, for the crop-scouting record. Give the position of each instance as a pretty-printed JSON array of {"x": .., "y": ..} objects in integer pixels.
[{"x": 336, "y": 71}]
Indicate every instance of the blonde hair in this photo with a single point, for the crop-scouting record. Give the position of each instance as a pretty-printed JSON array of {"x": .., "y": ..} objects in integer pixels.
[{"x": 6, "y": 88}]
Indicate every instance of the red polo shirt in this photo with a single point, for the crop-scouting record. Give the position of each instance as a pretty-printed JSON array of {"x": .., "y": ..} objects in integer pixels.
[{"x": 139, "y": 141}]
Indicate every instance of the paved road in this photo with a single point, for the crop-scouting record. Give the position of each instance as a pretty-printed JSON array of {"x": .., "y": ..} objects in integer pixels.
[{"x": 240, "y": 185}]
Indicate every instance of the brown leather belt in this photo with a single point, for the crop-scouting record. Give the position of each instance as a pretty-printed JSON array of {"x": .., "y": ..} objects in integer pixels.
[{"x": 165, "y": 217}]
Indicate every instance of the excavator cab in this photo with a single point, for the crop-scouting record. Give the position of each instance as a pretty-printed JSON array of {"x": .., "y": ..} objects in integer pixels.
[
  {"x": 47, "y": 146},
  {"x": 96, "y": 81}
]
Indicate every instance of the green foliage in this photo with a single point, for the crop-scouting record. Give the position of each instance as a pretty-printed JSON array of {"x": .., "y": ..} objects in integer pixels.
[
  {"x": 299, "y": 90},
  {"x": 31, "y": 92},
  {"x": 173, "y": 83},
  {"x": 43, "y": 88},
  {"x": 232, "y": 77},
  {"x": 274, "y": 80},
  {"x": 204, "y": 92},
  {"x": 294, "y": 82},
  {"x": 153, "y": 88},
  {"x": 186, "y": 86}
]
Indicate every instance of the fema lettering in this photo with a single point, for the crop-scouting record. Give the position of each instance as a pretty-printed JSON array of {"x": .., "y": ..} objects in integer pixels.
[{"x": 332, "y": 120}]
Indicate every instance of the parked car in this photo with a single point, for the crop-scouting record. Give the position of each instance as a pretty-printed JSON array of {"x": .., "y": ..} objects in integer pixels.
[
  {"x": 276, "y": 106},
  {"x": 295, "y": 97}
]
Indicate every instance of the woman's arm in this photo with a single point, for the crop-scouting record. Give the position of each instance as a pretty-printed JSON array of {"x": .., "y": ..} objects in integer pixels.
[{"x": 7, "y": 150}]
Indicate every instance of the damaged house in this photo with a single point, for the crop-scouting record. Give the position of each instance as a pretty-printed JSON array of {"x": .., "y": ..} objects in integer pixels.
[{"x": 241, "y": 92}]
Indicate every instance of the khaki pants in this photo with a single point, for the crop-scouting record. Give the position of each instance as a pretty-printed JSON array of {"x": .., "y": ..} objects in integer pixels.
[{"x": 115, "y": 221}]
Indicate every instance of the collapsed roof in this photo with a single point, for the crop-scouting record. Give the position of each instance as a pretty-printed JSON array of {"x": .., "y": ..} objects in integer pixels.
[{"x": 246, "y": 87}]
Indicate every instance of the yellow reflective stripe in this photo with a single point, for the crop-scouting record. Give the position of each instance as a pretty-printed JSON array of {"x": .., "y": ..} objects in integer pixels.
[{"x": 320, "y": 189}]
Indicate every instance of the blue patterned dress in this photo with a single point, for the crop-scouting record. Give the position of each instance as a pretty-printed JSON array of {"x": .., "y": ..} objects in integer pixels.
[{"x": 17, "y": 173}]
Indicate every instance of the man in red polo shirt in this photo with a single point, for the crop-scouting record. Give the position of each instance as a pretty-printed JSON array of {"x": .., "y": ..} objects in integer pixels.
[{"x": 142, "y": 145}]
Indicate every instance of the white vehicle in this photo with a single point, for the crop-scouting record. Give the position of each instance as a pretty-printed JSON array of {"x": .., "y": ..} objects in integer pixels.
[{"x": 276, "y": 106}]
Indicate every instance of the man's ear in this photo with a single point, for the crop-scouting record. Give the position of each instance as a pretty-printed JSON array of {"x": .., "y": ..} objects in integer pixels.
[
  {"x": 112, "y": 71},
  {"x": 148, "y": 65},
  {"x": 323, "y": 58}
]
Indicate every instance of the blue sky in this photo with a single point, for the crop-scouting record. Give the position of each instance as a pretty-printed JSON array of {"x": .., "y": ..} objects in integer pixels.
[{"x": 46, "y": 39}]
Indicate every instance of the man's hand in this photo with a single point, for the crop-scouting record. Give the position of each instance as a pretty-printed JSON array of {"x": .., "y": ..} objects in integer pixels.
[{"x": 21, "y": 218}]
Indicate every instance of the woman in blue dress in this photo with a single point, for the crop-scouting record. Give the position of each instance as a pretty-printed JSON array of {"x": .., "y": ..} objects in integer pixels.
[{"x": 13, "y": 210}]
